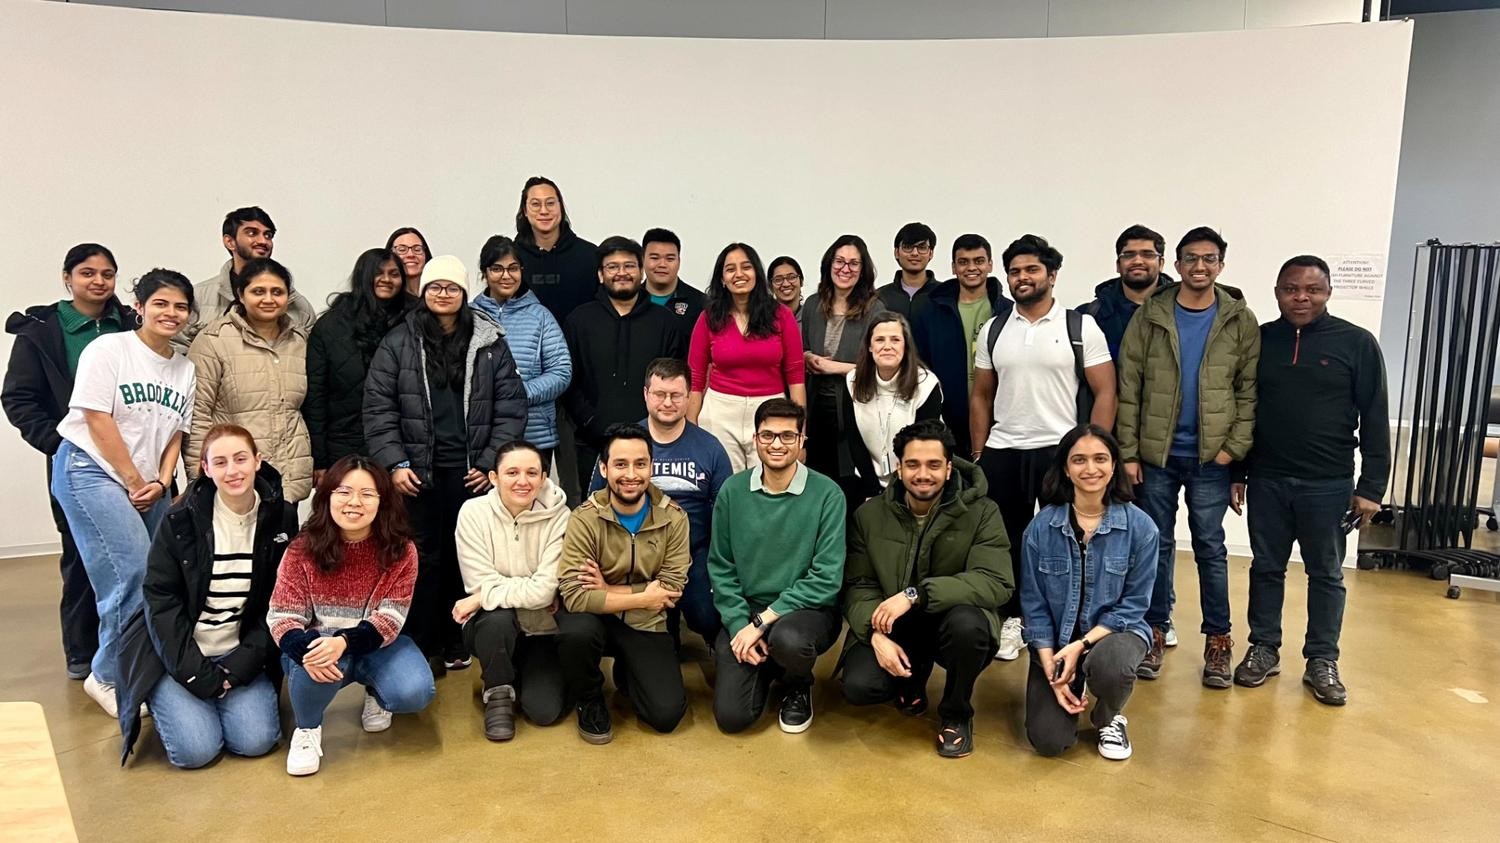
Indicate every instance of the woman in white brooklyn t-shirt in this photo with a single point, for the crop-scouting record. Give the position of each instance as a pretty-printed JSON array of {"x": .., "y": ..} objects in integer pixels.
[{"x": 132, "y": 400}]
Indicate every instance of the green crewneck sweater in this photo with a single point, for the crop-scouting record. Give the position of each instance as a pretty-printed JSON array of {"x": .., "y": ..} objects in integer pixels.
[{"x": 779, "y": 551}]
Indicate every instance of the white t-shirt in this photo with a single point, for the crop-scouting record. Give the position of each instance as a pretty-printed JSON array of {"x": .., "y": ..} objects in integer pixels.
[
  {"x": 1036, "y": 387},
  {"x": 149, "y": 396}
]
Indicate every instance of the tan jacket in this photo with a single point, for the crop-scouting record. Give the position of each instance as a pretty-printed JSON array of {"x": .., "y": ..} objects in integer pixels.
[
  {"x": 659, "y": 551},
  {"x": 213, "y": 297},
  {"x": 259, "y": 386},
  {"x": 511, "y": 563}
]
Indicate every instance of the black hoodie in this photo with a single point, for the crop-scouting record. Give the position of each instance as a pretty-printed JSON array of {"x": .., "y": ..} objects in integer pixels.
[
  {"x": 610, "y": 353},
  {"x": 563, "y": 277}
]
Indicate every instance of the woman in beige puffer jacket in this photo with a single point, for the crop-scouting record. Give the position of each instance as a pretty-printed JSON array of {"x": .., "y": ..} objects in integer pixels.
[{"x": 251, "y": 365}]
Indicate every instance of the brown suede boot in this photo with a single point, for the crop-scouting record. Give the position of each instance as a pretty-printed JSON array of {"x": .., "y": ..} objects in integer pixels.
[
  {"x": 1218, "y": 652},
  {"x": 1150, "y": 666}
]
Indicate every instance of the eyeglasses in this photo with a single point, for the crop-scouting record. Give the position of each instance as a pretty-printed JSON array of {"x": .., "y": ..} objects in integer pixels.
[
  {"x": 840, "y": 263},
  {"x": 445, "y": 290},
  {"x": 365, "y": 496},
  {"x": 409, "y": 250},
  {"x": 504, "y": 269},
  {"x": 1206, "y": 260},
  {"x": 538, "y": 204},
  {"x": 917, "y": 249},
  {"x": 1146, "y": 255},
  {"x": 780, "y": 280},
  {"x": 617, "y": 268},
  {"x": 787, "y": 437},
  {"x": 667, "y": 397}
]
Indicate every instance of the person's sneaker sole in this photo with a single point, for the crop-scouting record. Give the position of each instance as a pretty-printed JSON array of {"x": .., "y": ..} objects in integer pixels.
[
  {"x": 597, "y": 740},
  {"x": 1333, "y": 701},
  {"x": 79, "y": 671},
  {"x": 457, "y": 664},
  {"x": 302, "y": 771},
  {"x": 1114, "y": 753},
  {"x": 794, "y": 729},
  {"x": 1148, "y": 673},
  {"x": 1218, "y": 683},
  {"x": 1244, "y": 682}
]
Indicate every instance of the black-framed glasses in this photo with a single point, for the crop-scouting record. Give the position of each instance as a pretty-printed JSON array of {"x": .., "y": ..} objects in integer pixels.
[
  {"x": 781, "y": 280},
  {"x": 402, "y": 249},
  {"x": 787, "y": 437},
  {"x": 1143, "y": 255},
  {"x": 504, "y": 269},
  {"x": 915, "y": 249}
]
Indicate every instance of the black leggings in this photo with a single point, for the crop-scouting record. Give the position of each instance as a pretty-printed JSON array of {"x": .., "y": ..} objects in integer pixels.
[{"x": 434, "y": 521}]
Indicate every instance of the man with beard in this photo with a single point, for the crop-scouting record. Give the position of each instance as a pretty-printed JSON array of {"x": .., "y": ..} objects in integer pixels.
[
  {"x": 624, "y": 562},
  {"x": 1039, "y": 372},
  {"x": 611, "y": 340},
  {"x": 1139, "y": 256},
  {"x": 914, "y": 282},
  {"x": 776, "y": 562},
  {"x": 248, "y": 234},
  {"x": 663, "y": 260},
  {"x": 928, "y": 565}
]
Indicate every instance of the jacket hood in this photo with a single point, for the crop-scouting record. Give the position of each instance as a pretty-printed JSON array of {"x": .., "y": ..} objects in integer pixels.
[
  {"x": 1111, "y": 294},
  {"x": 565, "y": 241},
  {"x": 34, "y": 317},
  {"x": 965, "y": 485},
  {"x": 551, "y": 504},
  {"x": 1159, "y": 307}
]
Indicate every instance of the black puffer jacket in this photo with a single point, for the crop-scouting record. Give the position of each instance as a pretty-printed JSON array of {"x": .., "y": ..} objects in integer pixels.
[
  {"x": 398, "y": 403},
  {"x": 158, "y": 640},
  {"x": 339, "y": 351}
]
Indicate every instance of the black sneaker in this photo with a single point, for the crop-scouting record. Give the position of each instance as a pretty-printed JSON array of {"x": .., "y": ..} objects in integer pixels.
[
  {"x": 1322, "y": 676},
  {"x": 911, "y": 699},
  {"x": 796, "y": 709},
  {"x": 79, "y": 670},
  {"x": 1260, "y": 663},
  {"x": 457, "y": 660},
  {"x": 956, "y": 738},
  {"x": 593, "y": 722}
]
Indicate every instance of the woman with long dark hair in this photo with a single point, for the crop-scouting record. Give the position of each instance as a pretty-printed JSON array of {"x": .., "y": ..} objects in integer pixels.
[
  {"x": 342, "y": 597},
  {"x": 339, "y": 350},
  {"x": 441, "y": 397},
  {"x": 888, "y": 390},
  {"x": 200, "y": 652},
  {"x": 1090, "y": 560},
  {"x": 834, "y": 323},
  {"x": 131, "y": 403},
  {"x": 536, "y": 340},
  {"x": 410, "y": 247},
  {"x": 252, "y": 372},
  {"x": 746, "y": 349}
]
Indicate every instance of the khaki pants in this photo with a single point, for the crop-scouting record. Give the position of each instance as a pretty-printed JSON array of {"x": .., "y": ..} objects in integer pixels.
[{"x": 731, "y": 419}]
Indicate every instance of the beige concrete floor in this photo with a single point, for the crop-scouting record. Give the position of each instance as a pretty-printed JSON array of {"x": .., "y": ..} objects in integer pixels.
[{"x": 1407, "y": 759}]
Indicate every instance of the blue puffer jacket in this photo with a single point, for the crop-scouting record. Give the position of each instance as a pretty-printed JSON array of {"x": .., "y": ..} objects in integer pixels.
[
  {"x": 1121, "y": 571},
  {"x": 536, "y": 342}
]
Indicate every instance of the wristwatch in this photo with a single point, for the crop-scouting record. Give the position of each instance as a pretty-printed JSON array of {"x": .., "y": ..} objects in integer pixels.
[
  {"x": 755, "y": 621},
  {"x": 913, "y": 595}
]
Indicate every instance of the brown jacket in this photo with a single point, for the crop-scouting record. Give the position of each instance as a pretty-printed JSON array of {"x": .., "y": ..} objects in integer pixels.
[
  {"x": 659, "y": 551},
  {"x": 259, "y": 386}
]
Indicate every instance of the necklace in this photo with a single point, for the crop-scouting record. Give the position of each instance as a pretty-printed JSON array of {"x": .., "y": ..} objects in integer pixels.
[{"x": 1077, "y": 511}]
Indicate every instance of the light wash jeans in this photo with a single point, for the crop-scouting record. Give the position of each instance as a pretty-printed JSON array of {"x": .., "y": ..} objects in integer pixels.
[
  {"x": 397, "y": 674},
  {"x": 194, "y": 731}
]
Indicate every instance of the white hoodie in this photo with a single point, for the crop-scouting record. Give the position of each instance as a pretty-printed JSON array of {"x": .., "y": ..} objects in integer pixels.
[{"x": 511, "y": 563}]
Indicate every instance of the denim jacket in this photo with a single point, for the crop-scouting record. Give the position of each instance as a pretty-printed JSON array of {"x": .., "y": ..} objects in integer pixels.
[{"x": 1118, "y": 591}]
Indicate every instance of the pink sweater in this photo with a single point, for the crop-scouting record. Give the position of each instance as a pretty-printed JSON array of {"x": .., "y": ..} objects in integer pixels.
[{"x": 731, "y": 363}]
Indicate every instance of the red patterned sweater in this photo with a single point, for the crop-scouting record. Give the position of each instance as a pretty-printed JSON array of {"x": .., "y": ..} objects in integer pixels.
[{"x": 359, "y": 601}]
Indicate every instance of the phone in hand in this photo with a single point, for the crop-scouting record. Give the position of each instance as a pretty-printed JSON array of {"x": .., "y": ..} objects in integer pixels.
[
  {"x": 1057, "y": 669},
  {"x": 1350, "y": 521}
]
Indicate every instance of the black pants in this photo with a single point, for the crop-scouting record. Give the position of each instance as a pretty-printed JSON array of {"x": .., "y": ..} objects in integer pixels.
[
  {"x": 1015, "y": 476},
  {"x": 653, "y": 680},
  {"x": 796, "y": 641},
  {"x": 78, "y": 610},
  {"x": 434, "y": 520},
  {"x": 958, "y": 639},
  {"x": 566, "y": 455},
  {"x": 1284, "y": 510},
  {"x": 1108, "y": 671},
  {"x": 587, "y": 458},
  {"x": 527, "y": 663}
]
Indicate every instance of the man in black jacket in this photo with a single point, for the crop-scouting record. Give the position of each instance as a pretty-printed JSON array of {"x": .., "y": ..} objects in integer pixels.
[
  {"x": 612, "y": 339},
  {"x": 1139, "y": 256},
  {"x": 38, "y": 384},
  {"x": 1319, "y": 376},
  {"x": 663, "y": 250},
  {"x": 908, "y": 292}
]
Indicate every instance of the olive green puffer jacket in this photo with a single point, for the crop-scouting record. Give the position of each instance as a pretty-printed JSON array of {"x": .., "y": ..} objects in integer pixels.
[{"x": 1151, "y": 382}]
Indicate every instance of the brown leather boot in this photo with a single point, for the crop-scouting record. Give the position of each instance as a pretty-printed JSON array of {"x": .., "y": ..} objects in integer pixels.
[
  {"x": 1150, "y": 666},
  {"x": 1218, "y": 652}
]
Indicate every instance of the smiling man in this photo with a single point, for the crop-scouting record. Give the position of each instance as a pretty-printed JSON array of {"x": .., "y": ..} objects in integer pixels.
[
  {"x": 663, "y": 251},
  {"x": 248, "y": 233},
  {"x": 1139, "y": 256}
]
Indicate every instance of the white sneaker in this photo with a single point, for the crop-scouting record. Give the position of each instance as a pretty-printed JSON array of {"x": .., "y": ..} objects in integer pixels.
[
  {"x": 373, "y": 717},
  {"x": 102, "y": 693},
  {"x": 1114, "y": 741},
  {"x": 1170, "y": 635},
  {"x": 1010, "y": 640},
  {"x": 306, "y": 753}
]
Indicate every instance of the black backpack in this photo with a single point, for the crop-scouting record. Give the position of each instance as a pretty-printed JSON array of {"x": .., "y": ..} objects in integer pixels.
[{"x": 1085, "y": 397}]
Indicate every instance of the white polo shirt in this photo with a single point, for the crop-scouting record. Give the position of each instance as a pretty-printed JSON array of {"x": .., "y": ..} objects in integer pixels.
[{"x": 1036, "y": 389}]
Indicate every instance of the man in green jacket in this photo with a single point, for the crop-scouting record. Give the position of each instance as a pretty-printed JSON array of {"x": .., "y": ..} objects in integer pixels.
[
  {"x": 927, "y": 571},
  {"x": 1187, "y": 410},
  {"x": 775, "y": 562}
]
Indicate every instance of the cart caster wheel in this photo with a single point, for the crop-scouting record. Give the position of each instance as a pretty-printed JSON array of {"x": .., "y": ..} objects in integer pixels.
[
  {"x": 1492, "y": 524},
  {"x": 1453, "y": 592}
]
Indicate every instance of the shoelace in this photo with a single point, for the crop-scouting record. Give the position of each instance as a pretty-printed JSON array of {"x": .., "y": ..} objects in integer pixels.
[
  {"x": 1113, "y": 733},
  {"x": 1325, "y": 673},
  {"x": 305, "y": 741},
  {"x": 1261, "y": 659}
]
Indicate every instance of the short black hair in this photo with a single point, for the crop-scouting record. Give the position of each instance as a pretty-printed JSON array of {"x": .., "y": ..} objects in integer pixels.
[
  {"x": 1057, "y": 488},
  {"x": 781, "y": 408},
  {"x": 667, "y": 368},
  {"x": 1033, "y": 244},
  {"x": 1311, "y": 261},
  {"x": 617, "y": 243},
  {"x": 1140, "y": 232},
  {"x": 660, "y": 235},
  {"x": 622, "y": 430},
  {"x": 970, "y": 242},
  {"x": 1203, "y": 234},
  {"x": 516, "y": 445},
  {"x": 913, "y": 233},
  {"x": 252, "y": 213},
  {"x": 927, "y": 430}
]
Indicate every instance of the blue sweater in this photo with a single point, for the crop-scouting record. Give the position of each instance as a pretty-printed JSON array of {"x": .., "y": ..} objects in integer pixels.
[{"x": 536, "y": 342}]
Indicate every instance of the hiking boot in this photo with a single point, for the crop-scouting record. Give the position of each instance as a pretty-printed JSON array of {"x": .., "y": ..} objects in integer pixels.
[
  {"x": 1218, "y": 652},
  {"x": 500, "y": 713},
  {"x": 1150, "y": 666},
  {"x": 1259, "y": 664},
  {"x": 593, "y": 722},
  {"x": 1322, "y": 676}
]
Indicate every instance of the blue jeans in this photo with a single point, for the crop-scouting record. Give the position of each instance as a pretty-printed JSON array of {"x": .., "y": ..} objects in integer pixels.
[
  {"x": 194, "y": 731},
  {"x": 1283, "y": 510},
  {"x": 397, "y": 674},
  {"x": 697, "y": 603},
  {"x": 1207, "y": 486},
  {"x": 113, "y": 539}
]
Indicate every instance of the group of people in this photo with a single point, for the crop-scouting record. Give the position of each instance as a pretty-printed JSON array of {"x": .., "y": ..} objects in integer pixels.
[{"x": 575, "y": 457}]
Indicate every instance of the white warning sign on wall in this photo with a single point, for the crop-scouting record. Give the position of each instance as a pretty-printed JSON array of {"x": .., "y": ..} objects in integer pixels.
[{"x": 1357, "y": 276}]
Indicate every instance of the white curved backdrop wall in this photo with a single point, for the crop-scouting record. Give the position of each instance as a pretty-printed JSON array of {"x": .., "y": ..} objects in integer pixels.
[{"x": 139, "y": 129}]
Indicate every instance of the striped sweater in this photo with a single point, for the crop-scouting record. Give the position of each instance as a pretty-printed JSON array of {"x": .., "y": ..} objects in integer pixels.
[{"x": 366, "y": 605}]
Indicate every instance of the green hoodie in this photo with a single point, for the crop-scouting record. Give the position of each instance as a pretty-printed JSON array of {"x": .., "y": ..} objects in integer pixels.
[{"x": 960, "y": 556}]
